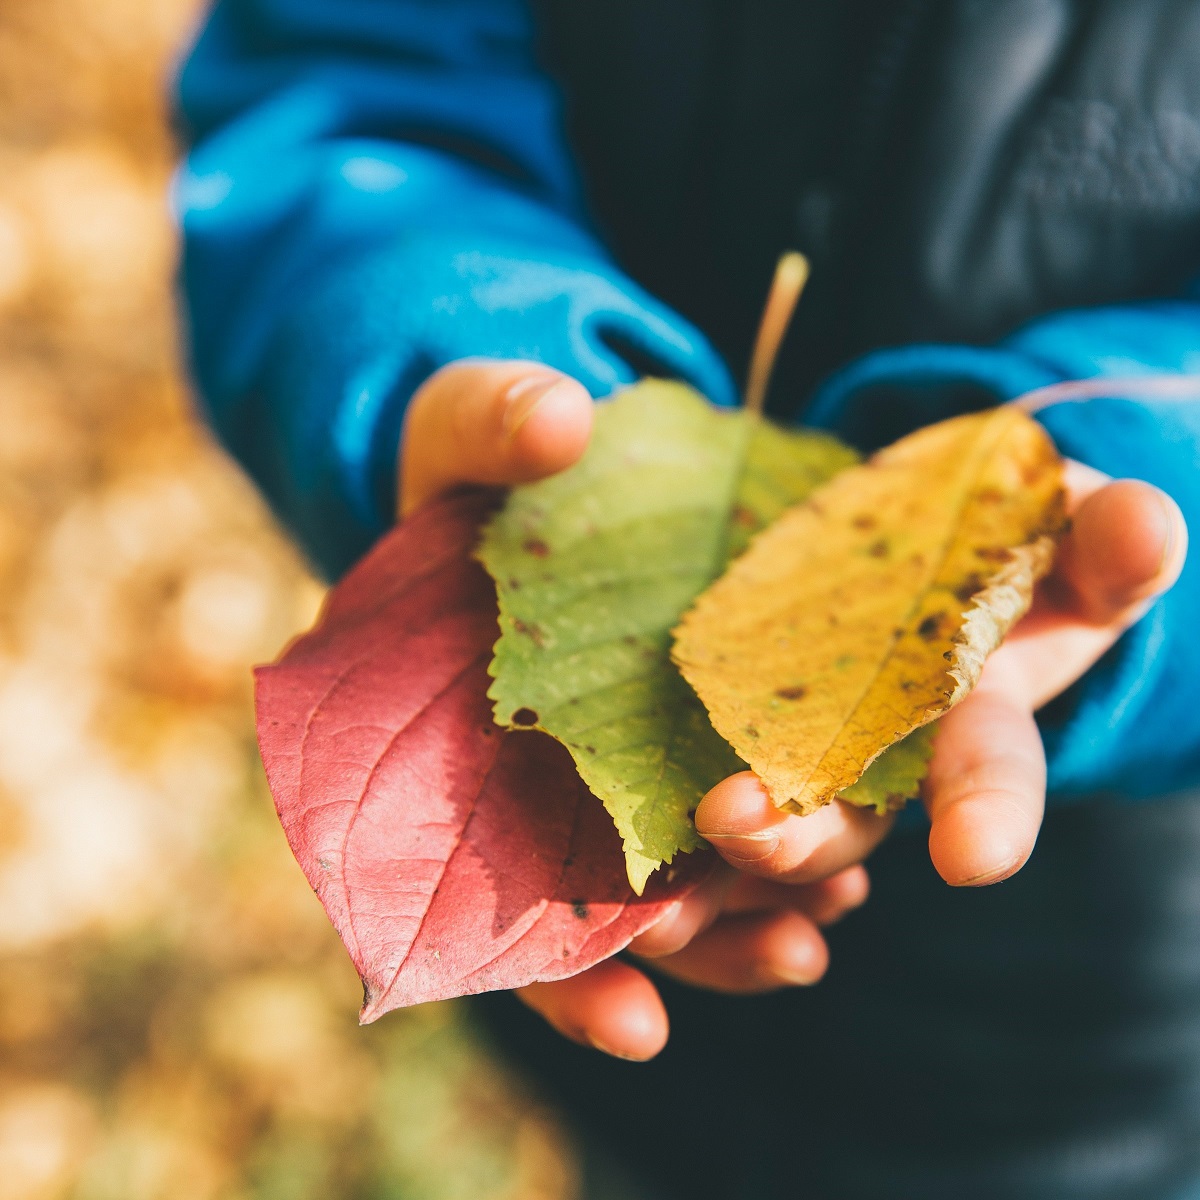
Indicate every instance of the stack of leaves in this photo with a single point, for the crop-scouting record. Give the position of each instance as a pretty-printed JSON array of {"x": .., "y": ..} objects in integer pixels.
[
  {"x": 454, "y": 856},
  {"x": 594, "y": 568}
]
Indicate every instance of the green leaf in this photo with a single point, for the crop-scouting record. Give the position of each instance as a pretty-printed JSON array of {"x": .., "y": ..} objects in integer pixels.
[
  {"x": 895, "y": 777},
  {"x": 593, "y": 569}
]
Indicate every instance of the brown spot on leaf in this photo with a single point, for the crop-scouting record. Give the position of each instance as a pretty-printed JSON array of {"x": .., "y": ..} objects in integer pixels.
[
  {"x": 928, "y": 628},
  {"x": 744, "y": 517},
  {"x": 536, "y": 547},
  {"x": 590, "y": 749},
  {"x": 629, "y": 640},
  {"x": 865, "y": 521},
  {"x": 533, "y": 632},
  {"x": 992, "y": 554},
  {"x": 990, "y": 496},
  {"x": 792, "y": 693},
  {"x": 751, "y": 731},
  {"x": 580, "y": 909},
  {"x": 526, "y": 718},
  {"x": 879, "y": 548},
  {"x": 514, "y": 585},
  {"x": 969, "y": 588}
]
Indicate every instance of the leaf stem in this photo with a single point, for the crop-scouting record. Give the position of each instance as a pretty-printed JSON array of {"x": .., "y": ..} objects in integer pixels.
[
  {"x": 791, "y": 274},
  {"x": 1167, "y": 386}
]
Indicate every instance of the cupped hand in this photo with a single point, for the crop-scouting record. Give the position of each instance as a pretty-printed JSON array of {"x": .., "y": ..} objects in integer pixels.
[
  {"x": 986, "y": 788},
  {"x": 755, "y": 924},
  {"x": 503, "y": 423},
  {"x": 985, "y": 792}
]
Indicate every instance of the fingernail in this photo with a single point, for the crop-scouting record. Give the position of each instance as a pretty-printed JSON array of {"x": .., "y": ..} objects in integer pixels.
[
  {"x": 1171, "y": 540},
  {"x": 596, "y": 1044},
  {"x": 805, "y": 967},
  {"x": 525, "y": 396},
  {"x": 795, "y": 976},
  {"x": 746, "y": 847},
  {"x": 994, "y": 875},
  {"x": 661, "y": 930}
]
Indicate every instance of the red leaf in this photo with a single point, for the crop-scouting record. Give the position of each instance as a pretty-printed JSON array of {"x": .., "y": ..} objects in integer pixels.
[{"x": 452, "y": 857}]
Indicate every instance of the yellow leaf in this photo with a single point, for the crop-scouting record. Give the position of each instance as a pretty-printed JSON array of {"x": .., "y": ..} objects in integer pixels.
[
  {"x": 894, "y": 778},
  {"x": 868, "y": 611}
]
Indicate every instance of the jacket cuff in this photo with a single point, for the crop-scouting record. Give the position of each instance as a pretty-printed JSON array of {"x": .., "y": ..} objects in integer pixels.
[{"x": 321, "y": 430}]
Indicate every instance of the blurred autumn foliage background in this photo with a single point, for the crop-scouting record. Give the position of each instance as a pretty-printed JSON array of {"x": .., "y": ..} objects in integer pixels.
[{"x": 177, "y": 1019}]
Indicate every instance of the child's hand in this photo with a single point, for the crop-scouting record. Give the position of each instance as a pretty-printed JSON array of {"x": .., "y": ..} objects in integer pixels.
[
  {"x": 756, "y": 927},
  {"x": 486, "y": 422},
  {"x": 986, "y": 789}
]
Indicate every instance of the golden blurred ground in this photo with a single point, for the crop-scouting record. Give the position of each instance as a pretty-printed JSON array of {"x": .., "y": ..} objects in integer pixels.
[{"x": 177, "y": 1019}]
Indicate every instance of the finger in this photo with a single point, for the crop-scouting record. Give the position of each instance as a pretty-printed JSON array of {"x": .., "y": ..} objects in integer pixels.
[
  {"x": 730, "y": 892},
  {"x": 755, "y": 952},
  {"x": 611, "y": 1007},
  {"x": 986, "y": 788},
  {"x": 687, "y": 917},
  {"x": 491, "y": 423},
  {"x": 739, "y": 819},
  {"x": 1127, "y": 544},
  {"x": 824, "y": 903}
]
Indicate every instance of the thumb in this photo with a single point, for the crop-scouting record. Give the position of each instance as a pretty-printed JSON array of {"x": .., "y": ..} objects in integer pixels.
[
  {"x": 492, "y": 423},
  {"x": 1127, "y": 543}
]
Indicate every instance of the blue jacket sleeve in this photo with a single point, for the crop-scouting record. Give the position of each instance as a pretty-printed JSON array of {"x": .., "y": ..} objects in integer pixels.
[
  {"x": 375, "y": 190},
  {"x": 1131, "y": 727}
]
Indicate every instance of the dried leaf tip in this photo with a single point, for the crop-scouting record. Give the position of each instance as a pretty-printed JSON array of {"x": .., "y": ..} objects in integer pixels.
[{"x": 791, "y": 275}]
